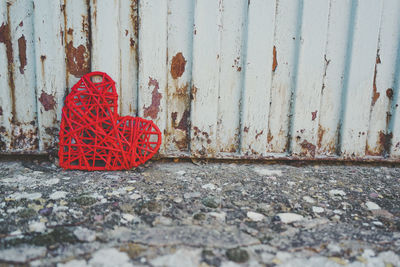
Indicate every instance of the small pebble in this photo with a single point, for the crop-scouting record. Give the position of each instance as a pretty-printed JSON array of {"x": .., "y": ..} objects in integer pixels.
[
  {"x": 84, "y": 234},
  {"x": 219, "y": 216},
  {"x": 39, "y": 227},
  {"x": 178, "y": 200},
  {"x": 128, "y": 217},
  {"x": 180, "y": 172},
  {"x": 46, "y": 211},
  {"x": 254, "y": 216},
  {"x": 237, "y": 255},
  {"x": 209, "y": 186},
  {"x": 317, "y": 209},
  {"x": 52, "y": 181},
  {"x": 210, "y": 202},
  {"x": 336, "y": 192},
  {"x": 58, "y": 195},
  {"x": 377, "y": 223},
  {"x": 372, "y": 206},
  {"x": 373, "y": 195},
  {"x": 289, "y": 217},
  {"x": 135, "y": 196},
  {"x": 308, "y": 199}
]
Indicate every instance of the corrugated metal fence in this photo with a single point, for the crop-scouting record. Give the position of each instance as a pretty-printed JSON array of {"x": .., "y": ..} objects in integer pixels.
[{"x": 221, "y": 78}]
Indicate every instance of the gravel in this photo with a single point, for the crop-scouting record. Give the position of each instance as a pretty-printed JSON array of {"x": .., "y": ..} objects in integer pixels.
[{"x": 211, "y": 214}]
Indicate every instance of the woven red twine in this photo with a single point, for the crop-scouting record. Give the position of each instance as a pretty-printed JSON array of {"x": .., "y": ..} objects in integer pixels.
[{"x": 92, "y": 134}]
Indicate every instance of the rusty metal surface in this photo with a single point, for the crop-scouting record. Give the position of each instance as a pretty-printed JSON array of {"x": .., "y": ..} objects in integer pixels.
[{"x": 232, "y": 79}]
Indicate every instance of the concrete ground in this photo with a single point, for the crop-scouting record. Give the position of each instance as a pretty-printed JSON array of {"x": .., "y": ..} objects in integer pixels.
[{"x": 185, "y": 214}]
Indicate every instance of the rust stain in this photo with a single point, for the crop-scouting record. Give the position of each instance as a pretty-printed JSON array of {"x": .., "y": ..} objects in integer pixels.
[
  {"x": 22, "y": 53},
  {"x": 193, "y": 92},
  {"x": 375, "y": 94},
  {"x": 77, "y": 60},
  {"x": 388, "y": 116},
  {"x": 196, "y": 130},
  {"x": 47, "y": 101},
  {"x": 201, "y": 137},
  {"x": 5, "y": 38},
  {"x": 275, "y": 60},
  {"x": 3, "y": 145},
  {"x": 62, "y": 37},
  {"x": 314, "y": 115},
  {"x": 94, "y": 7},
  {"x": 232, "y": 148},
  {"x": 23, "y": 140},
  {"x": 258, "y": 134},
  {"x": 246, "y": 129},
  {"x": 152, "y": 110},
  {"x": 378, "y": 58},
  {"x": 70, "y": 31},
  {"x": 42, "y": 59},
  {"x": 373, "y": 152},
  {"x": 132, "y": 42},
  {"x": 236, "y": 63},
  {"x": 182, "y": 92},
  {"x": 308, "y": 148},
  {"x": 1, "y": 111},
  {"x": 382, "y": 146},
  {"x": 321, "y": 132},
  {"x": 183, "y": 123},
  {"x": 178, "y": 65},
  {"x": 134, "y": 17},
  {"x": 180, "y": 138},
  {"x": 389, "y": 93},
  {"x": 269, "y": 136},
  {"x": 174, "y": 115},
  {"x": 21, "y": 23},
  {"x": 182, "y": 143},
  {"x": 385, "y": 140}
]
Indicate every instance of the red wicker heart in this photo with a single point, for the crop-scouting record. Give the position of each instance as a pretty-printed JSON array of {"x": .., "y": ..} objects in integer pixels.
[{"x": 92, "y": 134}]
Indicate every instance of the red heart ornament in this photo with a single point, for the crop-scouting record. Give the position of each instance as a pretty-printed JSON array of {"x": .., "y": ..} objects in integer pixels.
[{"x": 92, "y": 134}]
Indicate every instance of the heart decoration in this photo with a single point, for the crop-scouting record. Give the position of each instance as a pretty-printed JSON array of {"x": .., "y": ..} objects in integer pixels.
[{"x": 92, "y": 134}]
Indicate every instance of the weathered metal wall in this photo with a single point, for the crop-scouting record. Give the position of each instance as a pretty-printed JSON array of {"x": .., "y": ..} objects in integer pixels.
[{"x": 221, "y": 78}]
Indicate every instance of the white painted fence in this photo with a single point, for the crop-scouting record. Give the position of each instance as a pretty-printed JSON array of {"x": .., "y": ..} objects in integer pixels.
[{"x": 221, "y": 78}]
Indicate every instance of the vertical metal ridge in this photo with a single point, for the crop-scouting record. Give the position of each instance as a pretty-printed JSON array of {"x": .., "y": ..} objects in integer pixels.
[
  {"x": 245, "y": 35},
  {"x": 137, "y": 56},
  {"x": 293, "y": 84},
  {"x": 272, "y": 73},
  {"x": 191, "y": 84},
  {"x": 89, "y": 12},
  {"x": 395, "y": 102},
  {"x": 350, "y": 36},
  {"x": 324, "y": 76},
  {"x": 377, "y": 56},
  {"x": 10, "y": 59},
  {"x": 220, "y": 24}
]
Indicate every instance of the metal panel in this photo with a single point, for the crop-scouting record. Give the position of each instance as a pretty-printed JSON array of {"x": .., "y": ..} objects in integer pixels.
[
  {"x": 50, "y": 69},
  {"x": 257, "y": 77},
  {"x": 205, "y": 77},
  {"x": 309, "y": 79},
  {"x": 180, "y": 37},
  {"x": 284, "y": 67},
  {"x": 339, "y": 24}
]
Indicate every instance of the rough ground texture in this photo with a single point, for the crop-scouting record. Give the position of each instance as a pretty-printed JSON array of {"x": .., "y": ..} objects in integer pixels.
[{"x": 185, "y": 214}]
